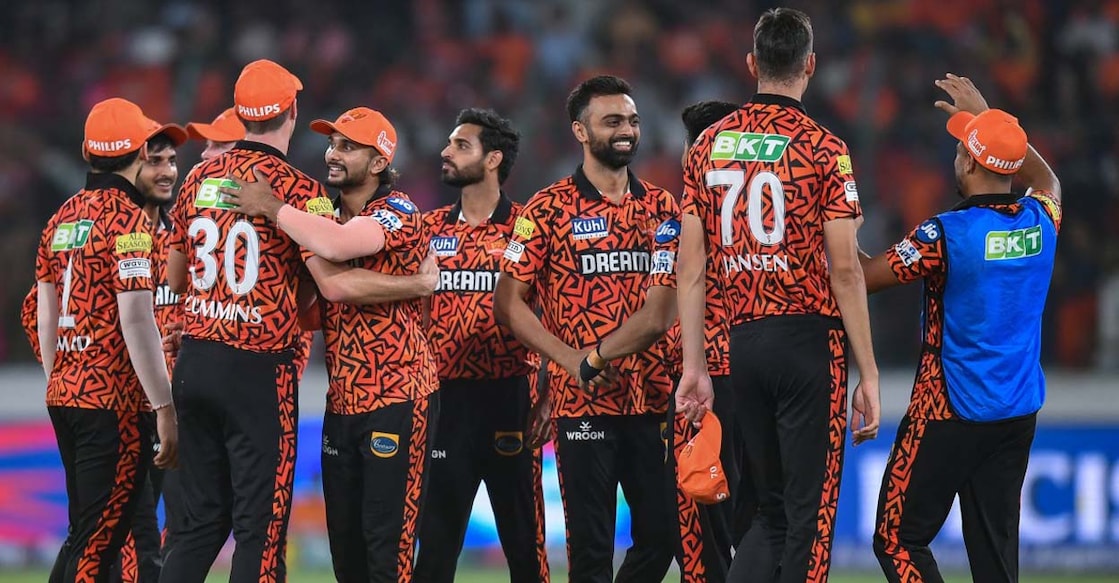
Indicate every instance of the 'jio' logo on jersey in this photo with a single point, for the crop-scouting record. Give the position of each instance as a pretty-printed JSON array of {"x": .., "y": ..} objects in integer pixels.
[
  {"x": 668, "y": 231},
  {"x": 588, "y": 228},
  {"x": 444, "y": 246}
]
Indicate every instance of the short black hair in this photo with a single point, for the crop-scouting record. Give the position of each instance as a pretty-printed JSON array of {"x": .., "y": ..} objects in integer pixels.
[
  {"x": 105, "y": 165},
  {"x": 598, "y": 86},
  {"x": 699, "y": 116},
  {"x": 497, "y": 134},
  {"x": 160, "y": 142},
  {"x": 782, "y": 42},
  {"x": 388, "y": 177},
  {"x": 263, "y": 127}
]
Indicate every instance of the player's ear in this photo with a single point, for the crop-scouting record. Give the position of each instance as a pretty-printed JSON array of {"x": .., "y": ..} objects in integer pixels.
[
  {"x": 493, "y": 159},
  {"x": 580, "y": 131},
  {"x": 752, "y": 64},
  {"x": 810, "y": 65},
  {"x": 379, "y": 164}
]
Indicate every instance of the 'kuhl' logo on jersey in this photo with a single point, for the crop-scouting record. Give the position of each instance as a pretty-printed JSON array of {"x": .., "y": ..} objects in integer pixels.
[
  {"x": 747, "y": 147},
  {"x": 588, "y": 228},
  {"x": 444, "y": 246}
]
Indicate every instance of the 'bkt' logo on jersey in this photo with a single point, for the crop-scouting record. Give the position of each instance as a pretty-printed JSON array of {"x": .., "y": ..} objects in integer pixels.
[
  {"x": 748, "y": 147},
  {"x": 588, "y": 228},
  {"x": 668, "y": 231},
  {"x": 444, "y": 246},
  {"x": 209, "y": 197}
]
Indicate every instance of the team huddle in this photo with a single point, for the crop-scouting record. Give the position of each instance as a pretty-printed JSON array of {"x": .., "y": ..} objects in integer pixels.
[{"x": 695, "y": 349}]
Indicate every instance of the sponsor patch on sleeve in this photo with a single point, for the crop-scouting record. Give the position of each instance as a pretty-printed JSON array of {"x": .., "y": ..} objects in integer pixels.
[
  {"x": 907, "y": 252},
  {"x": 667, "y": 231},
  {"x": 843, "y": 165},
  {"x": 850, "y": 191},
  {"x": 663, "y": 262},
  {"x": 514, "y": 251},
  {"x": 524, "y": 228},
  {"x": 132, "y": 268},
  {"x": 401, "y": 204},
  {"x": 320, "y": 206},
  {"x": 928, "y": 232},
  {"x": 388, "y": 220},
  {"x": 133, "y": 243}
]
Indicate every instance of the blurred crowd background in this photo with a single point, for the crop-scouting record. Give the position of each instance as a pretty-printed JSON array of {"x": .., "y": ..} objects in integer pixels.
[{"x": 1053, "y": 63}]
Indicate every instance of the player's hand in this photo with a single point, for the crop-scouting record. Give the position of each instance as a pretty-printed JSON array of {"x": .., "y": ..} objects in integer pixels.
[
  {"x": 965, "y": 96},
  {"x": 252, "y": 198},
  {"x": 540, "y": 427},
  {"x": 867, "y": 411},
  {"x": 172, "y": 337},
  {"x": 167, "y": 428},
  {"x": 694, "y": 396},
  {"x": 428, "y": 275}
]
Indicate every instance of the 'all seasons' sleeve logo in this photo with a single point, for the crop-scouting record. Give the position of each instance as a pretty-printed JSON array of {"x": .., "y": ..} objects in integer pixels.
[
  {"x": 747, "y": 147},
  {"x": 71, "y": 235}
]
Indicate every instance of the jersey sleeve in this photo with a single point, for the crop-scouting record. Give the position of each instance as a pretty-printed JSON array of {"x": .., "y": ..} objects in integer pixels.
[
  {"x": 526, "y": 253},
  {"x": 179, "y": 214},
  {"x": 693, "y": 179},
  {"x": 666, "y": 244},
  {"x": 1050, "y": 203},
  {"x": 131, "y": 244},
  {"x": 42, "y": 256},
  {"x": 921, "y": 253},
  {"x": 402, "y": 223},
  {"x": 840, "y": 196}
]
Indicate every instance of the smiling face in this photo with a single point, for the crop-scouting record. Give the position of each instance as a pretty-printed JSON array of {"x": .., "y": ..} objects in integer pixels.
[
  {"x": 158, "y": 174},
  {"x": 611, "y": 129},
  {"x": 349, "y": 163}
]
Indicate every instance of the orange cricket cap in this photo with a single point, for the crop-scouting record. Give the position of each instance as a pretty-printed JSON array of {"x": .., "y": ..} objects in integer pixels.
[
  {"x": 698, "y": 468},
  {"x": 226, "y": 127},
  {"x": 364, "y": 126},
  {"x": 116, "y": 127},
  {"x": 993, "y": 138},
  {"x": 264, "y": 90}
]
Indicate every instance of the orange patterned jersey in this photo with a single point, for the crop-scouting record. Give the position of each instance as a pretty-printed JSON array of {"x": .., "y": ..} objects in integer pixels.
[
  {"x": 28, "y": 314},
  {"x": 378, "y": 355},
  {"x": 764, "y": 180},
  {"x": 99, "y": 244},
  {"x": 716, "y": 330},
  {"x": 243, "y": 270},
  {"x": 303, "y": 353},
  {"x": 168, "y": 304},
  {"x": 589, "y": 263},
  {"x": 467, "y": 341}
]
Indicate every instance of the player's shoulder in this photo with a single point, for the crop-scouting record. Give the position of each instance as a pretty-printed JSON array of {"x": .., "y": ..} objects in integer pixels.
[
  {"x": 553, "y": 197},
  {"x": 660, "y": 197},
  {"x": 437, "y": 216},
  {"x": 400, "y": 202}
]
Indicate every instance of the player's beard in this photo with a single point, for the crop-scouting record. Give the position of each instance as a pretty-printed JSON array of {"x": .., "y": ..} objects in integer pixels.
[
  {"x": 150, "y": 191},
  {"x": 464, "y": 176},
  {"x": 603, "y": 150},
  {"x": 349, "y": 178}
]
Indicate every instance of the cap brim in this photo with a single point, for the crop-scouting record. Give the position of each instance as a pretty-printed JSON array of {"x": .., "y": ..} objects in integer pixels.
[
  {"x": 174, "y": 131},
  {"x": 206, "y": 131},
  {"x": 958, "y": 123},
  {"x": 326, "y": 128}
]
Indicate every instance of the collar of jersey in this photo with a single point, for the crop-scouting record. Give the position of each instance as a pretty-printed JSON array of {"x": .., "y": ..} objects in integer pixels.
[
  {"x": 381, "y": 192},
  {"x": 589, "y": 192},
  {"x": 771, "y": 99},
  {"x": 997, "y": 199},
  {"x": 501, "y": 213},
  {"x": 112, "y": 180},
  {"x": 259, "y": 147}
]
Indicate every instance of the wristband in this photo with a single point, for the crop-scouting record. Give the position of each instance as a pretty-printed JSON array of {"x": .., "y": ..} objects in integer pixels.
[{"x": 587, "y": 371}]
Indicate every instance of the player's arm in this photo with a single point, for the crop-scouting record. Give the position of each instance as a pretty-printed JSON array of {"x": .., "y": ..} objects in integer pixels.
[
  {"x": 351, "y": 285},
  {"x": 643, "y": 327},
  {"x": 877, "y": 272},
  {"x": 323, "y": 236},
  {"x": 47, "y": 317},
  {"x": 141, "y": 337},
  {"x": 511, "y": 308},
  {"x": 694, "y": 395}
]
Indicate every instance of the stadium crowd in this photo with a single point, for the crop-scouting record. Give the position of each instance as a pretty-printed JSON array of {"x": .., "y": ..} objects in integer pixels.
[{"x": 1054, "y": 63}]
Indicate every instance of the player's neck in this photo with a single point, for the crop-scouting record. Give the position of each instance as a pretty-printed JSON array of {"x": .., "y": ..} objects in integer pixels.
[
  {"x": 611, "y": 183},
  {"x": 274, "y": 139},
  {"x": 151, "y": 210},
  {"x": 794, "y": 90},
  {"x": 354, "y": 198},
  {"x": 479, "y": 200}
]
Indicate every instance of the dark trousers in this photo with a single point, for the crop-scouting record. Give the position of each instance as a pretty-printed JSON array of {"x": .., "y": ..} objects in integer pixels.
[
  {"x": 594, "y": 455},
  {"x": 480, "y": 437},
  {"x": 790, "y": 382},
  {"x": 140, "y": 560},
  {"x": 931, "y": 463},
  {"x": 237, "y": 437},
  {"x": 708, "y": 532},
  {"x": 106, "y": 455},
  {"x": 372, "y": 478}
]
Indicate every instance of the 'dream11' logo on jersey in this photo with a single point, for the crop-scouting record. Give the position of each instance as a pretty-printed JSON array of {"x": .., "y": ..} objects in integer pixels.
[
  {"x": 747, "y": 147},
  {"x": 588, "y": 228}
]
